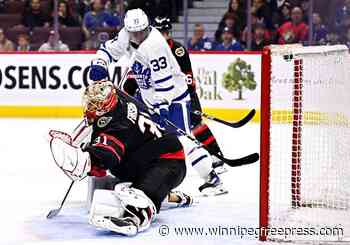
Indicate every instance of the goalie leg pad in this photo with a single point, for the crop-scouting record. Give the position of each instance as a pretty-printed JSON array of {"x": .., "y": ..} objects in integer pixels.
[
  {"x": 125, "y": 210},
  {"x": 104, "y": 209},
  {"x": 140, "y": 210}
]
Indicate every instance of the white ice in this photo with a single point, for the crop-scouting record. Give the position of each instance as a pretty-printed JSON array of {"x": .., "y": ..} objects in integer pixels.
[{"x": 31, "y": 185}]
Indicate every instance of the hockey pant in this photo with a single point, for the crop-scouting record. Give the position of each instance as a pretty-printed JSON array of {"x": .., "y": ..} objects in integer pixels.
[
  {"x": 197, "y": 157},
  {"x": 200, "y": 130}
]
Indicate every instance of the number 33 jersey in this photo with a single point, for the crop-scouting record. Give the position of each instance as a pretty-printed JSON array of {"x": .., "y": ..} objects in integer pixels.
[{"x": 155, "y": 69}]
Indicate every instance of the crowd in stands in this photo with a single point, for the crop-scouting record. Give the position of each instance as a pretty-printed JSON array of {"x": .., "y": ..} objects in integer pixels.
[
  {"x": 27, "y": 25},
  {"x": 276, "y": 22}
]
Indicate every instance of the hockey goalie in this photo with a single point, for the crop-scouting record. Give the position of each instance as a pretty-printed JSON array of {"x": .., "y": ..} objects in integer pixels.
[{"x": 126, "y": 143}]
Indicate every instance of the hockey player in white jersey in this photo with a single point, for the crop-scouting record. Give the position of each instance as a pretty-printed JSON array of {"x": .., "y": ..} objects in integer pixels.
[{"x": 162, "y": 85}]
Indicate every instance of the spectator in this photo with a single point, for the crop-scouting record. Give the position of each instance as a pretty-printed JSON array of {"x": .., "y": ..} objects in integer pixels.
[
  {"x": 81, "y": 7},
  {"x": 198, "y": 40},
  {"x": 255, "y": 22},
  {"x": 2, "y": 6},
  {"x": 236, "y": 10},
  {"x": 305, "y": 5},
  {"x": 230, "y": 20},
  {"x": 109, "y": 7},
  {"x": 347, "y": 39},
  {"x": 342, "y": 12},
  {"x": 294, "y": 31},
  {"x": 54, "y": 43},
  {"x": 5, "y": 44},
  {"x": 344, "y": 25},
  {"x": 95, "y": 40},
  {"x": 23, "y": 43},
  {"x": 34, "y": 16},
  {"x": 332, "y": 38},
  {"x": 97, "y": 18},
  {"x": 229, "y": 42},
  {"x": 237, "y": 7},
  {"x": 115, "y": 16},
  {"x": 65, "y": 17},
  {"x": 263, "y": 12},
  {"x": 279, "y": 3},
  {"x": 259, "y": 37},
  {"x": 283, "y": 15},
  {"x": 149, "y": 6},
  {"x": 319, "y": 30}
]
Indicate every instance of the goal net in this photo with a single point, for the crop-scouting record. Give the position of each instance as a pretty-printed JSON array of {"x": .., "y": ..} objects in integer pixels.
[{"x": 305, "y": 144}]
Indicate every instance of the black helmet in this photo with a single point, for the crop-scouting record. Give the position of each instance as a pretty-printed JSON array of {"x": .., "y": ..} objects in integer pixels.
[{"x": 163, "y": 24}]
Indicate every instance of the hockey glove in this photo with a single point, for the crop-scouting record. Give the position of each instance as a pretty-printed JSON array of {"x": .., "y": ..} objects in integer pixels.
[
  {"x": 163, "y": 116},
  {"x": 98, "y": 70}
]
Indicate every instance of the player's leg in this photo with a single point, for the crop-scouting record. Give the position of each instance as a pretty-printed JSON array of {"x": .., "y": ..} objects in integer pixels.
[
  {"x": 130, "y": 209},
  {"x": 198, "y": 157},
  {"x": 204, "y": 135},
  {"x": 159, "y": 180},
  {"x": 107, "y": 182}
]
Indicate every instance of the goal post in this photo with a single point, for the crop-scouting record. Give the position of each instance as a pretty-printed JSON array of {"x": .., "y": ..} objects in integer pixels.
[{"x": 305, "y": 143}]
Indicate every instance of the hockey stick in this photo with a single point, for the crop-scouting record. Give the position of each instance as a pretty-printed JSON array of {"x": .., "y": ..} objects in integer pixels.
[
  {"x": 238, "y": 124},
  {"x": 231, "y": 162},
  {"x": 54, "y": 212},
  {"x": 125, "y": 74}
]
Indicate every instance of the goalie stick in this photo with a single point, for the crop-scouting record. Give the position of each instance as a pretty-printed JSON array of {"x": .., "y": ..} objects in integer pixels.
[
  {"x": 238, "y": 124},
  {"x": 231, "y": 162},
  {"x": 69, "y": 140},
  {"x": 54, "y": 212}
]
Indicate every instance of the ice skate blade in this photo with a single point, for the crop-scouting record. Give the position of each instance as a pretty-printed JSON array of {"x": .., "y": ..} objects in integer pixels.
[
  {"x": 220, "y": 170},
  {"x": 214, "y": 191}
]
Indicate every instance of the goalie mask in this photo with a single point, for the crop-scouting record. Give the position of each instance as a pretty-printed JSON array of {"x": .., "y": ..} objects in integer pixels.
[{"x": 98, "y": 99}]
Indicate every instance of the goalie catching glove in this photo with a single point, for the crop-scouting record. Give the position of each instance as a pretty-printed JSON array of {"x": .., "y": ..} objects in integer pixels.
[{"x": 69, "y": 158}]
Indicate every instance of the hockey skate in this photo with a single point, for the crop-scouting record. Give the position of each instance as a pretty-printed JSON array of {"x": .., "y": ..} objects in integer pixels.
[
  {"x": 219, "y": 166},
  {"x": 184, "y": 199},
  {"x": 177, "y": 199},
  {"x": 213, "y": 186}
]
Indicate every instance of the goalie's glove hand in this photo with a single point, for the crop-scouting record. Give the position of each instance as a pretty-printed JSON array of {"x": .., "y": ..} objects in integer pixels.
[
  {"x": 94, "y": 170},
  {"x": 97, "y": 171},
  {"x": 98, "y": 70}
]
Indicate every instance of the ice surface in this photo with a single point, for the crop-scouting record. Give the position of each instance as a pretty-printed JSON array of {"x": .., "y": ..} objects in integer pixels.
[{"x": 31, "y": 185}]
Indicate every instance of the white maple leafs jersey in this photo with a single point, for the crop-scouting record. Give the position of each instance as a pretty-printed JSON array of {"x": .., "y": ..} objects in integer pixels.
[{"x": 157, "y": 72}]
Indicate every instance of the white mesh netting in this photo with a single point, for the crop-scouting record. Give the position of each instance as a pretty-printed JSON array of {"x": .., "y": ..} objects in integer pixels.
[{"x": 309, "y": 182}]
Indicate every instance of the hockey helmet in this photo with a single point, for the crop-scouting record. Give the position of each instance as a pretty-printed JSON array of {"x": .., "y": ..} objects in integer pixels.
[
  {"x": 137, "y": 24},
  {"x": 98, "y": 99},
  {"x": 163, "y": 24}
]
